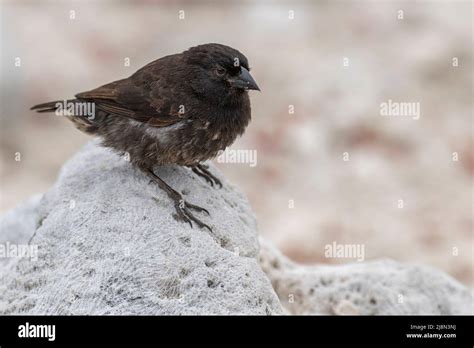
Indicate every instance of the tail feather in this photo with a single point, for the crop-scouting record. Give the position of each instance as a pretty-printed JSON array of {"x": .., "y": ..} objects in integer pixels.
[
  {"x": 82, "y": 123},
  {"x": 47, "y": 107}
]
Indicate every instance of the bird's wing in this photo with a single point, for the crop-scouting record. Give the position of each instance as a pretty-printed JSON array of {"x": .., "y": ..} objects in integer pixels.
[{"x": 144, "y": 97}]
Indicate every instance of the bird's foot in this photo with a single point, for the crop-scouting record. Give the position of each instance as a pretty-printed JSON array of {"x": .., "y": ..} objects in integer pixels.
[
  {"x": 202, "y": 171},
  {"x": 183, "y": 212},
  {"x": 183, "y": 208}
]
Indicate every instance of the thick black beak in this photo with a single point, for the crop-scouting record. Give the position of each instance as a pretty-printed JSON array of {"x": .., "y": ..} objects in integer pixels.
[{"x": 244, "y": 80}]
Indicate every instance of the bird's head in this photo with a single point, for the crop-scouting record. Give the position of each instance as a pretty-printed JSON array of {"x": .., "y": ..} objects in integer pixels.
[{"x": 219, "y": 71}]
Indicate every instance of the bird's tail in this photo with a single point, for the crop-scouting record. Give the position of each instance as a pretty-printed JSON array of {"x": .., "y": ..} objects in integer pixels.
[
  {"x": 47, "y": 107},
  {"x": 79, "y": 112}
]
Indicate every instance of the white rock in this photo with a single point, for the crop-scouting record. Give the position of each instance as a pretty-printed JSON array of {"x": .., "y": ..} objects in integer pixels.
[
  {"x": 106, "y": 246},
  {"x": 376, "y": 287},
  {"x": 16, "y": 226}
]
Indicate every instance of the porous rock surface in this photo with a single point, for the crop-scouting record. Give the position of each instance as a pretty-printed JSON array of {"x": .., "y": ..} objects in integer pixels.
[
  {"x": 108, "y": 244},
  {"x": 381, "y": 287}
]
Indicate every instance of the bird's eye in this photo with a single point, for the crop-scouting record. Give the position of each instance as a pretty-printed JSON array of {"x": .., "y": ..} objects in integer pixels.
[{"x": 220, "y": 71}]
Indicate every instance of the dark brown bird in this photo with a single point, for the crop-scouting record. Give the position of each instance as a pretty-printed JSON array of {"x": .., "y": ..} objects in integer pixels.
[{"x": 180, "y": 109}]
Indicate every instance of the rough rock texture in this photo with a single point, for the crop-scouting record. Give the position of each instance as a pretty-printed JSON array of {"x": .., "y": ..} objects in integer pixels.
[
  {"x": 18, "y": 224},
  {"x": 377, "y": 287},
  {"x": 108, "y": 244}
]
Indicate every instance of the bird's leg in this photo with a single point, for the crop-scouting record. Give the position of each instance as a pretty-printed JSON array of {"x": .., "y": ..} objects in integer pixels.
[
  {"x": 201, "y": 170},
  {"x": 182, "y": 207}
]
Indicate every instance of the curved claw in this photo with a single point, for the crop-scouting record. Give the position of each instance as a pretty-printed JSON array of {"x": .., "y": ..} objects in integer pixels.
[
  {"x": 182, "y": 213},
  {"x": 207, "y": 179},
  {"x": 197, "y": 208},
  {"x": 187, "y": 216},
  {"x": 202, "y": 170}
]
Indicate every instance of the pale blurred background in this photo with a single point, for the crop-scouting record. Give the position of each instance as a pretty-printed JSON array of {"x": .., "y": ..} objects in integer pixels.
[{"x": 296, "y": 62}]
